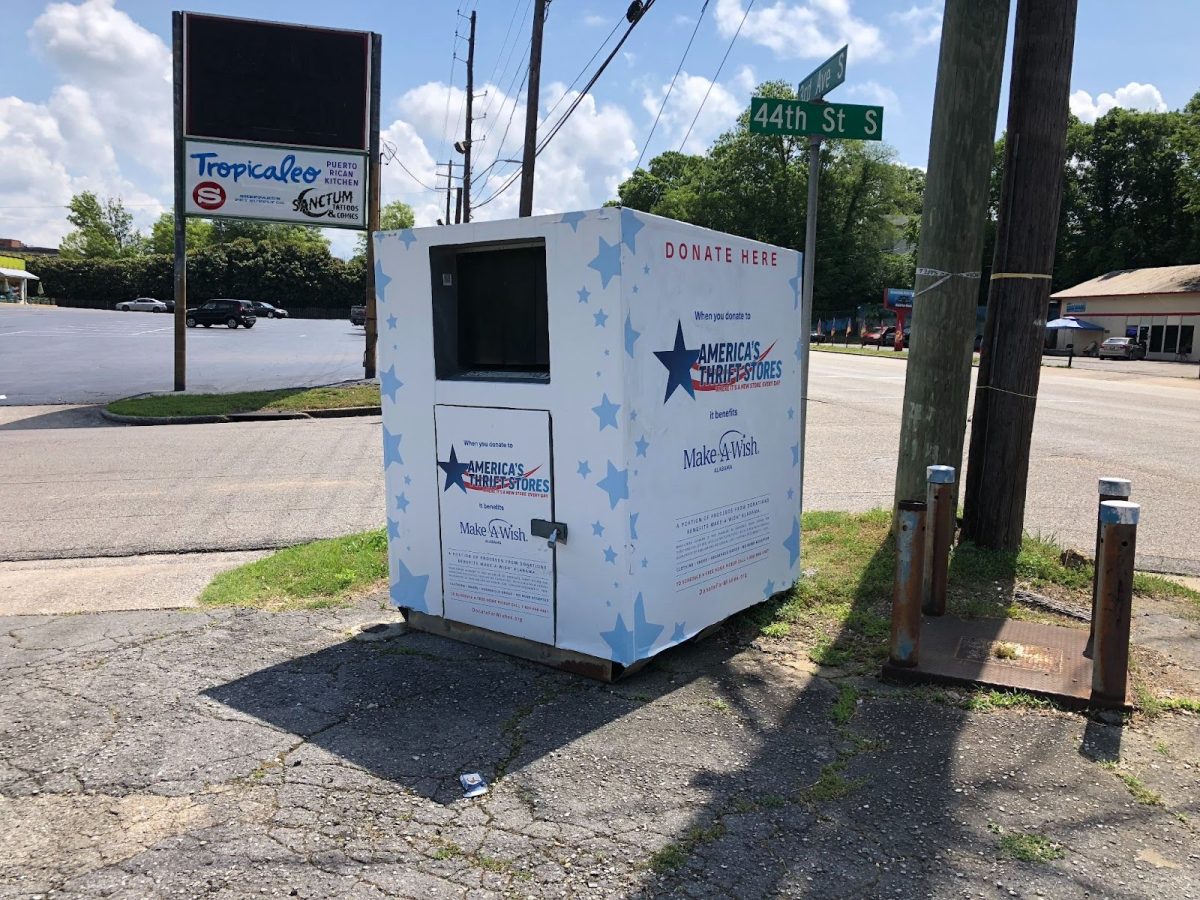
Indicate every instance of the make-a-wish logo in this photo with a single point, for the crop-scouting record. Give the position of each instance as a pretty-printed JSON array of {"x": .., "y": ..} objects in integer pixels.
[
  {"x": 718, "y": 366},
  {"x": 496, "y": 530},
  {"x": 492, "y": 476},
  {"x": 729, "y": 448}
]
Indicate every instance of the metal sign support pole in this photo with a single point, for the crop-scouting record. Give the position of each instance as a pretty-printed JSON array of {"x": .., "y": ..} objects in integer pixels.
[
  {"x": 371, "y": 324},
  {"x": 806, "y": 303},
  {"x": 180, "y": 290}
]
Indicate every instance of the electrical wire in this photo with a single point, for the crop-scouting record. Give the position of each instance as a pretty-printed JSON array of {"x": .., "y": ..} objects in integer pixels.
[
  {"x": 506, "y": 53},
  {"x": 678, "y": 69},
  {"x": 414, "y": 177},
  {"x": 716, "y": 76}
]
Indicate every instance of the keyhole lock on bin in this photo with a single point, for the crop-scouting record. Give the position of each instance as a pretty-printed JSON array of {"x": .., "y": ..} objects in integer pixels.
[{"x": 553, "y": 532}]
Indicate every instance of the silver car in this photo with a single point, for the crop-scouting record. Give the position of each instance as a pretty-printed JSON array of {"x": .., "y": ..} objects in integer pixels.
[
  {"x": 1122, "y": 348},
  {"x": 142, "y": 304}
]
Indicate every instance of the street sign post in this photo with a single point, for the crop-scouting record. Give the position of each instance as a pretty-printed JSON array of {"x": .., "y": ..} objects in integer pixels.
[
  {"x": 769, "y": 115},
  {"x": 827, "y": 76}
]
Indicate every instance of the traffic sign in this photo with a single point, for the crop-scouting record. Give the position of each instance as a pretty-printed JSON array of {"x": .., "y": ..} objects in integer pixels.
[
  {"x": 769, "y": 115},
  {"x": 825, "y": 78}
]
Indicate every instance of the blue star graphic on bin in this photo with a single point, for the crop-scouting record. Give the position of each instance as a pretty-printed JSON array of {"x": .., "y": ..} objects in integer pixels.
[
  {"x": 791, "y": 493},
  {"x": 615, "y": 483},
  {"x": 408, "y": 479},
  {"x": 678, "y": 361},
  {"x": 393, "y": 529},
  {"x": 630, "y": 226},
  {"x": 391, "y": 448},
  {"x": 583, "y": 293},
  {"x": 573, "y": 219},
  {"x": 631, "y": 336},
  {"x": 408, "y": 590},
  {"x": 601, "y": 318},
  {"x": 630, "y": 646},
  {"x": 769, "y": 589},
  {"x": 382, "y": 280},
  {"x": 389, "y": 383},
  {"x": 645, "y": 562},
  {"x": 454, "y": 471},
  {"x": 646, "y": 269},
  {"x": 678, "y": 634},
  {"x": 408, "y": 237},
  {"x": 391, "y": 322},
  {"x": 597, "y": 529},
  {"x": 607, "y": 261},
  {"x": 584, "y": 469},
  {"x": 791, "y": 413},
  {"x": 792, "y": 544},
  {"x": 610, "y": 555},
  {"x": 642, "y": 445},
  {"x": 402, "y": 502},
  {"x": 607, "y": 412},
  {"x": 633, "y": 517}
]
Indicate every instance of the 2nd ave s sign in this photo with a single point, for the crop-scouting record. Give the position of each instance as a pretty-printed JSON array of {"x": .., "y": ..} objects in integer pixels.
[{"x": 833, "y": 120}]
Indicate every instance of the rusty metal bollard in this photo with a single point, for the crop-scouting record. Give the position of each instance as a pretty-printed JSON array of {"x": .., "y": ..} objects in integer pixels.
[
  {"x": 906, "y": 592},
  {"x": 1114, "y": 599},
  {"x": 939, "y": 535},
  {"x": 1109, "y": 489}
]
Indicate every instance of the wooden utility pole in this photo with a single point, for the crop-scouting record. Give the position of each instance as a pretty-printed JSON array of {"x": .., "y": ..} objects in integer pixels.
[
  {"x": 952, "y": 223},
  {"x": 466, "y": 185},
  {"x": 1019, "y": 296},
  {"x": 531, "y": 107}
]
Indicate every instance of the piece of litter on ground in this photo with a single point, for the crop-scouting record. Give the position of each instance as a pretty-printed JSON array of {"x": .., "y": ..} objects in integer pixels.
[{"x": 473, "y": 784}]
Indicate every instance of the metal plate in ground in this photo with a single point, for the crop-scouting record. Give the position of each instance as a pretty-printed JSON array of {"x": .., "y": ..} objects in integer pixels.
[{"x": 1042, "y": 659}]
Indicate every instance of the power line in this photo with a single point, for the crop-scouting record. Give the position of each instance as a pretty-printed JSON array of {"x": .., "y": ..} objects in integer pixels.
[
  {"x": 678, "y": 69},
  {"x": 716, "y": 76},
  {"x": 491, "y": 79},
  {"x": 414, "y": 177}
]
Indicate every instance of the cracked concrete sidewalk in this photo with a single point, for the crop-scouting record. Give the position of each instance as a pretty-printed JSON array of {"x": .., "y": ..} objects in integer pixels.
[{"x": 239, "y": 753}]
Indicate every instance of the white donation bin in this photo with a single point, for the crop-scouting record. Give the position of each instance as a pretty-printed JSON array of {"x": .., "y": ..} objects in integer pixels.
[{"x": 591, "y": 431}]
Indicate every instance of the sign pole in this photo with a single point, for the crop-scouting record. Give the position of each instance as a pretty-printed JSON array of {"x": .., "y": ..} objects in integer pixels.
[
  {"x": 806, "y": 302},
  {"x": 371, "y": 328},
  {"x": 180, "y": 290}
]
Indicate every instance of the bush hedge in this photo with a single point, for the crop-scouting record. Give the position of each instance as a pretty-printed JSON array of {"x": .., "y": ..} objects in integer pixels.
[{"x": 304, "y": 280}]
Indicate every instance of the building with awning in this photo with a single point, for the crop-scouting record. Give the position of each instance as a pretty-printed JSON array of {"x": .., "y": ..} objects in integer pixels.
[
  {"x": 1157, "y": 306},
  {"x": 14, "y": 280}
]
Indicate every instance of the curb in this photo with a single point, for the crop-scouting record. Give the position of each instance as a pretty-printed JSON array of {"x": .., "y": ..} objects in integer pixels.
[{"x": 344, "y": 412}]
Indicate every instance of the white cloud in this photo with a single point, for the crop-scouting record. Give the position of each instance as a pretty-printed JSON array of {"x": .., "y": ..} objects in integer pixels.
[
  {"x": 1145, "y": 97},
  {"x": 815, "y": 29},
  {"x": 924, "y": 23},
  {"x": 719, "y": 114},
  {"x": 591, "y": 20},
  {"x": 876, "y": 94}
]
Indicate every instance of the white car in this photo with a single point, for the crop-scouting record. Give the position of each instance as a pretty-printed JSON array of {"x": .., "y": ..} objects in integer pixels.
[{"x": 142, "y": 304}]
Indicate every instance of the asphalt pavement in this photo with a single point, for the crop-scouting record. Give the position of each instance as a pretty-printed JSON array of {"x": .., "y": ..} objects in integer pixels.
[
  {"x": 51, "y": 355},
  {"x": 234, "y": 754}
]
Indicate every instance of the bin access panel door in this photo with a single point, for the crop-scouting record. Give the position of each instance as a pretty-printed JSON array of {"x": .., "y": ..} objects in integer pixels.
[{"x": 495, "y": 478}]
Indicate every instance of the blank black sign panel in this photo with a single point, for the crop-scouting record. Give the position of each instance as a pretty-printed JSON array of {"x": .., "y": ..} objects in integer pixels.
[{"x": 275, "y": 83}]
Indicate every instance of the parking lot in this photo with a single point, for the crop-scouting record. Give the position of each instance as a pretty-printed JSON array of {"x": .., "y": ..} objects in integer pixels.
[{"x": 50, "y": 355}]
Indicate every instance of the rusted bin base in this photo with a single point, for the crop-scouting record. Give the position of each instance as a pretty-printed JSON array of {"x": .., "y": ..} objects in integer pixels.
[{"x": 1046, "y": 660}]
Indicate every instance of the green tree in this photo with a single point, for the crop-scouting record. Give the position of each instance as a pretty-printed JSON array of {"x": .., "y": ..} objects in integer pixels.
[
  {"x": 162, "y": 234},
  {"x": 225, "y": 231},
  {"x": 392, "y": 217},
  {"x": 102, "y": 230}
]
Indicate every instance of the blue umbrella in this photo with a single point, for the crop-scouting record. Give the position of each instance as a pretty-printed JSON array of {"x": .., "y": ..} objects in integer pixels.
[{"x": 1072, "y": 322}]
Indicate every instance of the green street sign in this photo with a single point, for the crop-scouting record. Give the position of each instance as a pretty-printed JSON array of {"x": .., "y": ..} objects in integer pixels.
[
  {"x": 832, "y": 120},
  {"x": 825, "y": 78}
]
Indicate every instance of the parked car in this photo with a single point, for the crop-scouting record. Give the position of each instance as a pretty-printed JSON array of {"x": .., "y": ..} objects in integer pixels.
[
  {"x": 170, "y": 305},
  {"x": 230, "y": 313},
  {"x": 883, "y": 335},
  {"x": 1122, "y": 348},
  {"x": 142, "y": 304},
  {"x": 267, "y": 311},
  {"x": 358, "y": 315}
]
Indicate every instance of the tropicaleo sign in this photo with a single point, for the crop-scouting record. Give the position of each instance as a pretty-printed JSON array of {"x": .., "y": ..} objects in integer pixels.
[{"x": 308, "y": 187}]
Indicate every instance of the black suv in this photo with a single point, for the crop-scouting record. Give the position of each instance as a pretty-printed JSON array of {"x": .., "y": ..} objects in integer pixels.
[{"x": 230, "y": 313}]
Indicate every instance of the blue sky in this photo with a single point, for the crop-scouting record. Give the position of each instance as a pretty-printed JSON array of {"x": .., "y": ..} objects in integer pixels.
[{"x": 85, "y": 90}]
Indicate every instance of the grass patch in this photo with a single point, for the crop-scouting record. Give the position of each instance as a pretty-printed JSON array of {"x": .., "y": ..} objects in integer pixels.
[
  {"x": 1029, "y": 847},
  {"x": 983, "y": 701},
  {"x": 288, "y": 400},
  {"x": 675, "y": 854},
  {"x": 719, "y": 705},
  {"x": 307, "y": 576},
  {"x": 831, "y": 785},
  {"x": 449, "y": 851},
  {"x": 1136, "y": 787},
  {"x": 887, "y": 352},
  {"x": 846, "y": 704}
]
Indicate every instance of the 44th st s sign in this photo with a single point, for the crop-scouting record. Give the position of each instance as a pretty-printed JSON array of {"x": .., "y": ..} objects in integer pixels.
[{"x": 832, "y": 120}]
